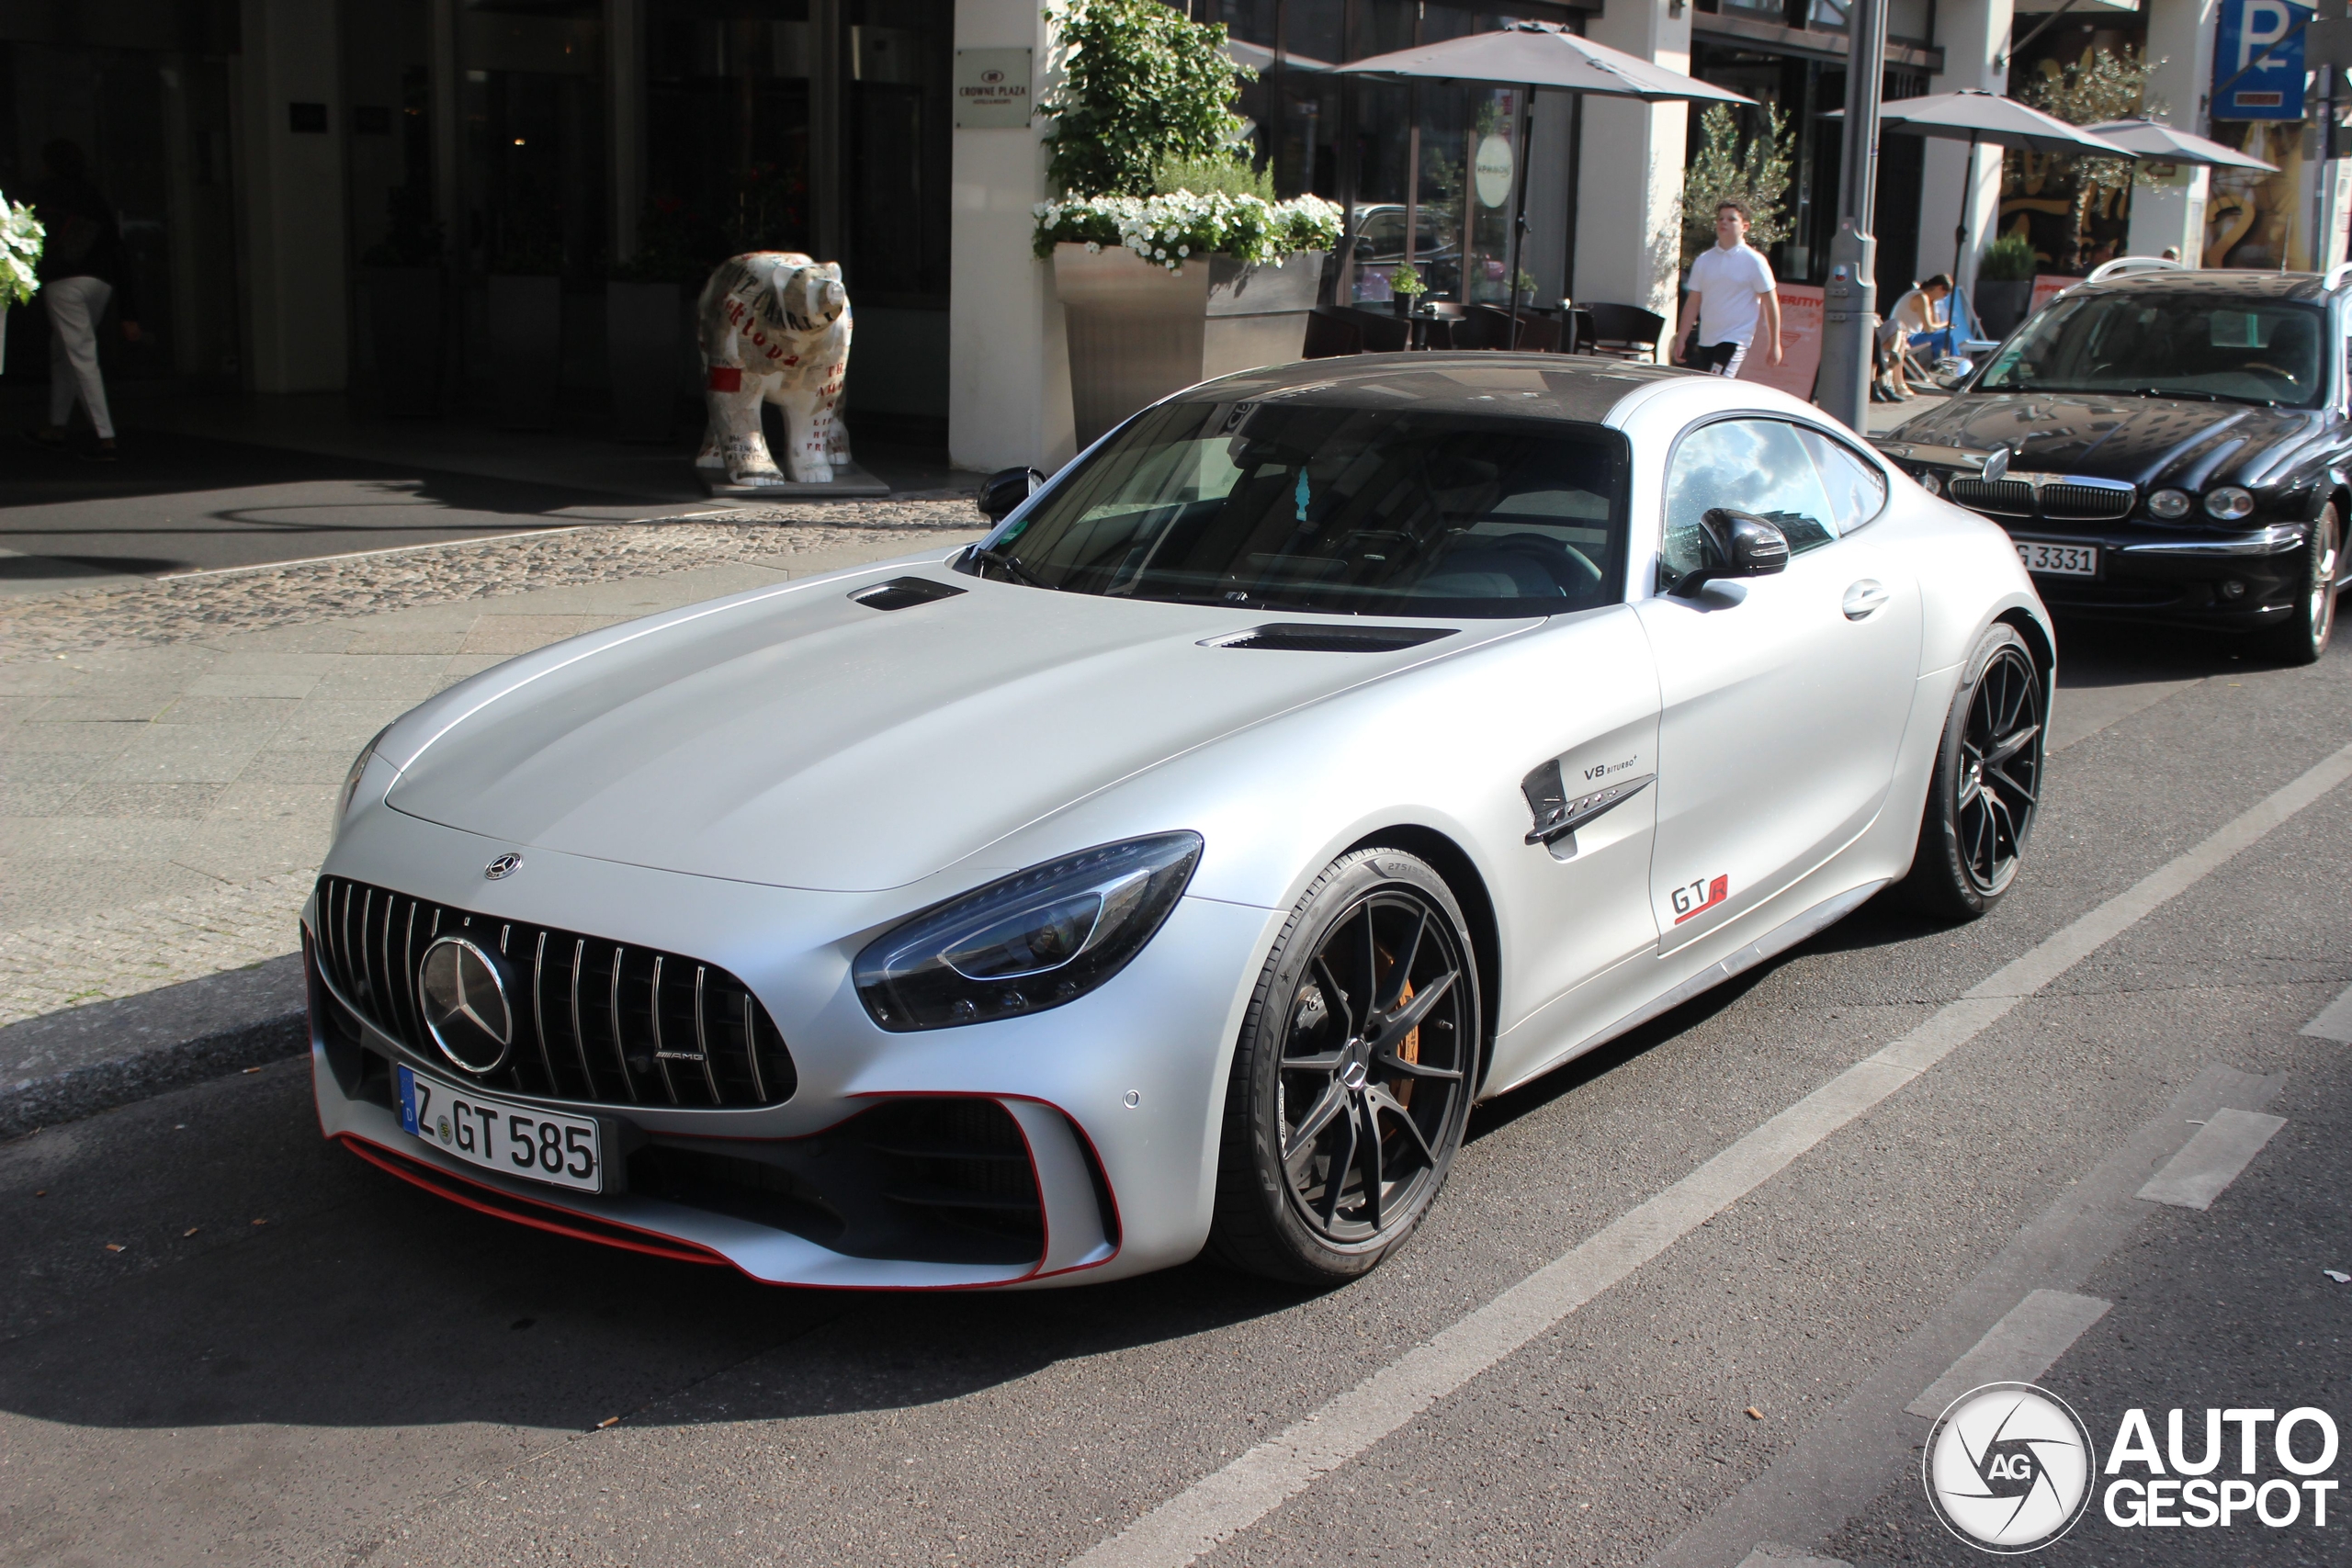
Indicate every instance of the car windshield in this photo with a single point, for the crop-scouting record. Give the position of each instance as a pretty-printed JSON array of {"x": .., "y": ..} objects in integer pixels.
[
  {"x": 1334, "y": 508},
  {"x": 2168, "y": 345}
]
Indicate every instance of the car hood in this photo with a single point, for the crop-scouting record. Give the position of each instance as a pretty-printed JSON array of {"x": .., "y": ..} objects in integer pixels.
[
  {"x": 2147, "y": 441},
  {"x": 801, "y": 738}
]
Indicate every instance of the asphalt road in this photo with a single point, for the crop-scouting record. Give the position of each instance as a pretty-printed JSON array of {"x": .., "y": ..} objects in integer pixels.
[{"x": 296, "y": 1359}]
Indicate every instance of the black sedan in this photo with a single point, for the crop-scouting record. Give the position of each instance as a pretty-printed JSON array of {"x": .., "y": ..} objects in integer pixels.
[{"x": 2170, "y": 446}]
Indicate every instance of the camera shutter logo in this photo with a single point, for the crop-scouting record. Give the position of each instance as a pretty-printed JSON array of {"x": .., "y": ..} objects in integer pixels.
[
  {"x": 2008, "y": 1468},
  {"x": 465, "y": 1004}
]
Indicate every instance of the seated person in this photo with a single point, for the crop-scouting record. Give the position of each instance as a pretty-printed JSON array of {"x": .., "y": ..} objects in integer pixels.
[{"x": 1915, "y": 324}]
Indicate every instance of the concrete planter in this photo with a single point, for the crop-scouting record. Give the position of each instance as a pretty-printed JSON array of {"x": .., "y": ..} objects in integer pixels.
[
  {"x": 527, "y": 348},
  {"x": 407, "y": 308},
  {"x": 1139, "y": 332},
  {"x": 644, "y": 335}
]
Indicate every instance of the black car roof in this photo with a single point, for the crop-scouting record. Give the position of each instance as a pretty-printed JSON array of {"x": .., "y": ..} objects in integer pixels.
[
  {"x": 1548, "y": 386},
  {"x": 2225, "y": 283}
]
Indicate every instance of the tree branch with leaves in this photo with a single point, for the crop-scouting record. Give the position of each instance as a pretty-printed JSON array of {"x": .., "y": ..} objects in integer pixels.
[
  {"x": 1755, "y": 171},
  {"x": 1140, "y": 86}
]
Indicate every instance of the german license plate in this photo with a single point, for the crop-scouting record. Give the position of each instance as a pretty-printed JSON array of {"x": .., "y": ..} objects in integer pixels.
[
  {"x": 500, "y": 1136},
  {"x": 2058, "y": 560}
]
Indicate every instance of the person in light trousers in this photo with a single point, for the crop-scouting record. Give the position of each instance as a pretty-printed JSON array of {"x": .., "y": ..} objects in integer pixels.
[{"x": 83, "y": 267}]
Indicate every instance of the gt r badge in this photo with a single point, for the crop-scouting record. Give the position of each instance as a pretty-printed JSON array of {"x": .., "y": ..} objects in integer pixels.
[
  {"x": 502, "y": 867},
  {"x": 1695, "y": 898}
]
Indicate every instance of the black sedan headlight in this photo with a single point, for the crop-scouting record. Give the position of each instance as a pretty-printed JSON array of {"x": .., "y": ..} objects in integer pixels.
[
  {"x": 1036, "y": 940},
  {"x": 2229, "y": 503}
]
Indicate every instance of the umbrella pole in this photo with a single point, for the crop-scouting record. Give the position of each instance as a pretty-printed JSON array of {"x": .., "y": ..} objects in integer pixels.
[
  {"x": 1412, "y": 198},
  {"x": 1960, "y": 238},
  {"x": 1959, "y": 229},
  {"x": 1519, "y": 206}
]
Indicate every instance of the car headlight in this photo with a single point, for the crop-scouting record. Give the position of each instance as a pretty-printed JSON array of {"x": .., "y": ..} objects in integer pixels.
[
  {"x": 351, "y": 780},
  {"x": 2229, "y": 503},
  {"x": 1930, "y": 482},
  {"x": 1036, "y": 940},
  {"x": 2168, "y": 504}
]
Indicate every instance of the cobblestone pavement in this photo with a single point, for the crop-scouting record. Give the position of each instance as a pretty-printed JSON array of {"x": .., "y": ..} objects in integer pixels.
[{"x": 169, "y": 753}]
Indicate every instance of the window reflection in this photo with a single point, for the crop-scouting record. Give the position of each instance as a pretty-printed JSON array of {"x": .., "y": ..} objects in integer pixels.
[{"x": 1757, "y": 466}]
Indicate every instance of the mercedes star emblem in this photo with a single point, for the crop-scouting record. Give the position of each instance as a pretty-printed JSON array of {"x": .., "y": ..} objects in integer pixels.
[
  {"x": 503, "y": 866},
  {"x": 464, "y": 1004}
]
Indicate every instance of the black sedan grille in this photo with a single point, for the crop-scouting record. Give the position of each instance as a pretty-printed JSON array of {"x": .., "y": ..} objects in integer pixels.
[
  {"x": 2086, "y": 504},
  {"x": 2058, "y": 503},
  {"x": 593, "y": 1021},
  {"x": 2006, "y": 498}
]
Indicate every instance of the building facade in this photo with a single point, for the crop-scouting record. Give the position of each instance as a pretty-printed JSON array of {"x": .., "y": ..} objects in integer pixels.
[{"x": 270, "y": 156}]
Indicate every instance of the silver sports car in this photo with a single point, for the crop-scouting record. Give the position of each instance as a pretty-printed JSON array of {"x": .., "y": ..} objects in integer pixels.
[{"x": 1329, "y": 748}]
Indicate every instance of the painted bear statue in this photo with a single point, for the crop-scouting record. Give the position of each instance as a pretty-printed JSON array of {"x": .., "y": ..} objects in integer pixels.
[{"x": 774, "y": 327}]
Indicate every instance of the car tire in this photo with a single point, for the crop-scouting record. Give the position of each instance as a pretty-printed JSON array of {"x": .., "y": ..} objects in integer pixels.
[
  {"x": 2303, "y": 637},
  {"x": 1352, "y": 1077},
  {"x": 1986, "y": 787}
]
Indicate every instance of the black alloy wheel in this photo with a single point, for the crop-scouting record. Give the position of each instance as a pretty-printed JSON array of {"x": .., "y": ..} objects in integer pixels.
[
  {"x": 1987, "y": 782},
  {"x": 2303, "y": 637},
  {"x": 1354, "y": 1075}
]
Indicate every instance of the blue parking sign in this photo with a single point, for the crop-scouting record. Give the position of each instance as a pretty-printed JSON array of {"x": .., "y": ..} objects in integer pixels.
[{"x": 2272, "y": 85}]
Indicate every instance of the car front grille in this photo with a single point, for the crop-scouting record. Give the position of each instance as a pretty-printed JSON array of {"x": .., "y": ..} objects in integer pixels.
[
  {"x": 2086, "y": 504},
  {"x": 2006, "y": 498},
  {"x": 592, "y": 1021},
  {"x": 2056, "y": 502}
]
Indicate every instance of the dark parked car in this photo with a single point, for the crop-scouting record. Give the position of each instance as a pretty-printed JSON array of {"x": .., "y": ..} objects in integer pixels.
[{"x": 2168, "y": 445}]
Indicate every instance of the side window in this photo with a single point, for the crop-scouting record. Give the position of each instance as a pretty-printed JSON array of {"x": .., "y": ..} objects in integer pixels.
[
  {"x": 1749, "y": 465},
  {"x": 1857, "y": 490}
]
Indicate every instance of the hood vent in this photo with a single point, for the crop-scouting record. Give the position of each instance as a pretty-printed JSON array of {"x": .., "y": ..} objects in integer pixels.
[
  {"x": 901, "y": 592},
  {"x": 1300, "y": 638}
]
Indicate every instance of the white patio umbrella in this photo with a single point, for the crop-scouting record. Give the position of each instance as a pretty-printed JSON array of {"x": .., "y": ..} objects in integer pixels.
[
  {"x": 1984, "y": 119},
  {"x": 2153, "y": 141},
  {"x": 1531, "y": 55}
]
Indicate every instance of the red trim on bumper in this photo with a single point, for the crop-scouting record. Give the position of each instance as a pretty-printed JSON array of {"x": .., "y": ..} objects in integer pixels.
[{"x": 431, "y": 1178}]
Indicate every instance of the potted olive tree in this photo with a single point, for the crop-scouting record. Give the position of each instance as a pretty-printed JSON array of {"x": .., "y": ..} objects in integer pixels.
[
  {"x": 407, "y": 306},
  {"x": 526, "y": 314},
  {"x": 1172, "y": 260},
  {"x": 646, "y": 334},
  {"x": 21, "y": 238}
]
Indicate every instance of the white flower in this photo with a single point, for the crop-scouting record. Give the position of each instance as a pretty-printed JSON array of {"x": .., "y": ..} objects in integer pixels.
[
  {"x": 1160, "y": 255},
  {"x": 1183, "y": 250},
  {"x": 1093, "y": 247}
]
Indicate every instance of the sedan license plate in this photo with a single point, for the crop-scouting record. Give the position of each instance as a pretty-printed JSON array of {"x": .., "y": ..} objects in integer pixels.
[
  {"x": 498, "y": 1134},
  {"x": 2055, "y": 559}
]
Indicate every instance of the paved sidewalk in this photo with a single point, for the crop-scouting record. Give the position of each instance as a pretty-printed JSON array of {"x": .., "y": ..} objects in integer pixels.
[{"x": 169, "y": 751}]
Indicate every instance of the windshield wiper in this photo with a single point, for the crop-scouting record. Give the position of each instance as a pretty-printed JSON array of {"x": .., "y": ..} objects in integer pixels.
[
  {"x": 1006, "y": 563},
  {"x": 2202, "y": 395}
]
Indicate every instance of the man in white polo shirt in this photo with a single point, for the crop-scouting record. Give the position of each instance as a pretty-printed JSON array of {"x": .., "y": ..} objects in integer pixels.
[{"x": 1734, "y": 288}]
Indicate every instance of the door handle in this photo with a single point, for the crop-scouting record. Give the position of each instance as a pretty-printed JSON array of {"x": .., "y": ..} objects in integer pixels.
[{"x": 1865, "y": 599}]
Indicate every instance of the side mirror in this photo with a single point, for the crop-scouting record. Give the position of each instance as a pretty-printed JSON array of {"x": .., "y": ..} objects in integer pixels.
[
  {"x": 1740, "y": 544},
  {"x": 1006, "y": 489}
]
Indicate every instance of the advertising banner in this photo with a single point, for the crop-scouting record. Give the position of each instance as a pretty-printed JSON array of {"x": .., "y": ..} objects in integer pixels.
[
  {"x": 2046, "y": 288},
  {"x": 1800, "y": 344}
]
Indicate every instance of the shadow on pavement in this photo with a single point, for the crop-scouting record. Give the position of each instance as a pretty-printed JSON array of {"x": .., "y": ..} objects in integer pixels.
[
  {"x": 2118, "y": 653},
  {"x": 365, "y": 1302},
  {"x": 178, "y": 502}
]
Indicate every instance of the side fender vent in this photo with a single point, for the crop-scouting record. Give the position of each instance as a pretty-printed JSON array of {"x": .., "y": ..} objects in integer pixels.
[
  {"x": 902, "y": 592},
  {"x": 1287, "y": 637}
]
